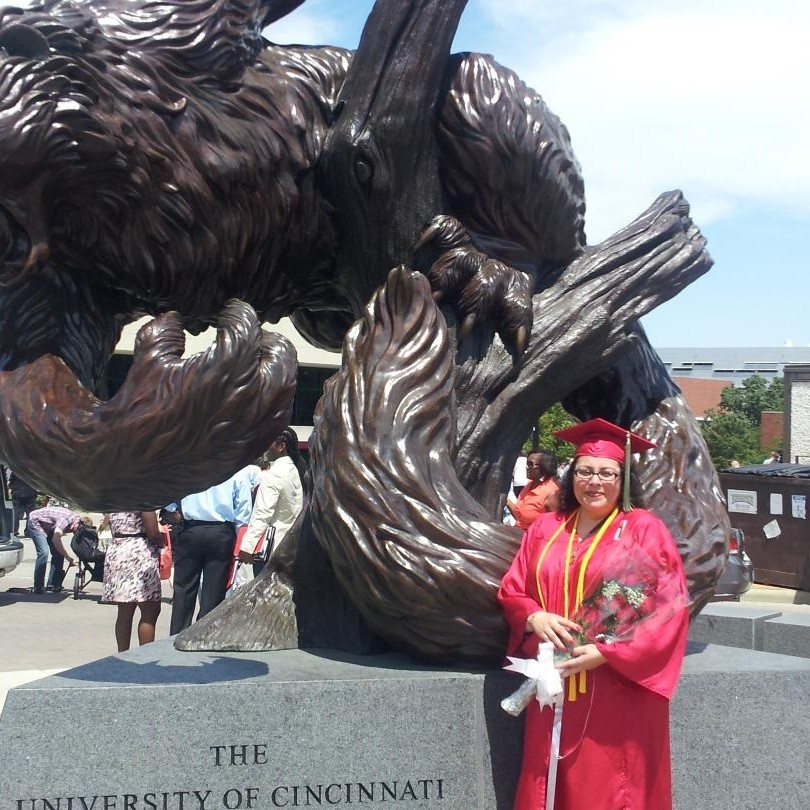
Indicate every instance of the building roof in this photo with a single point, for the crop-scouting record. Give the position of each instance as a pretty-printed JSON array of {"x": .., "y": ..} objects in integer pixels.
[
  {"x": 772, "y": 470},
  {"x": 734, "y": 364}
]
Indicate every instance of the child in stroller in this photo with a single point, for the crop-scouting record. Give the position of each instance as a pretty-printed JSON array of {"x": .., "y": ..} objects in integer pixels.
[{"x": 85, "y": 545}]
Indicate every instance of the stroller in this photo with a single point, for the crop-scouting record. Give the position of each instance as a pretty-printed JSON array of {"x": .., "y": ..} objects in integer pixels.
[{"x": 85, "y": 545}]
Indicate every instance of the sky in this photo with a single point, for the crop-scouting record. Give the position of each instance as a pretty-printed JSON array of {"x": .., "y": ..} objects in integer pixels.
[{"x": 709, "y": 97}]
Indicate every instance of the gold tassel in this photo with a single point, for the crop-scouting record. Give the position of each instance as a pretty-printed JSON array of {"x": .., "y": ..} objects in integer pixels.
[
  {"x": 627, "y": 506},
  {"x": 572, "y": 688},
  {"x": 583, "y": 684}
]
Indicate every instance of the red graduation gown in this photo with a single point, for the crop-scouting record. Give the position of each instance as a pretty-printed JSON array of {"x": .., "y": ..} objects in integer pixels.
[{"x": 615, "y": 738}]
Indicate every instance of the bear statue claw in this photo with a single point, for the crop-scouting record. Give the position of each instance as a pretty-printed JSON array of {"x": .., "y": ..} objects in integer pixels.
[{"x": 482, "y": 288}]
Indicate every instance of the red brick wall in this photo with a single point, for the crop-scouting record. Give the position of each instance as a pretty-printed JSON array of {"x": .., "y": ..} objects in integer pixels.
[{"x": 770, "y": 429}]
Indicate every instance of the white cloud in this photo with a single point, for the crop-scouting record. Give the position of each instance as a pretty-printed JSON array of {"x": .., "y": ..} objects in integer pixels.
[
  {"x": 304, "y": 27},
  {"x": 711, "y": 98}
]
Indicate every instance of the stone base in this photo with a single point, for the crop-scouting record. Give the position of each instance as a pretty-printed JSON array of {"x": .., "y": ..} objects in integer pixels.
[
  {"x": 788, "y": 635},
  {"x": 753, "y": 628},
  {"x": 739, "y": 730},
  {"x": 732, "y": 625},
  {"x": 258, "y": 730},
  {"x": 157, "y": 729}
]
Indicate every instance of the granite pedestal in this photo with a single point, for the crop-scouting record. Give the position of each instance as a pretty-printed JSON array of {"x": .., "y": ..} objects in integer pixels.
[
  {"x": 739, "y": 731},
  {"x": 732, "y": 625},
  {"x": 788, "y": 635},
  {"x": 753, "y": 628},
  {"x": 156, "y": 729}
]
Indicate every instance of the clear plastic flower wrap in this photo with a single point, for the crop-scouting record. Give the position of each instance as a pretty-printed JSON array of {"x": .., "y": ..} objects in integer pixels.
[
  {"x": 520, "y": 698},
  {"x": 542, "y": 683},
  {"x": 630, "y": 593}
]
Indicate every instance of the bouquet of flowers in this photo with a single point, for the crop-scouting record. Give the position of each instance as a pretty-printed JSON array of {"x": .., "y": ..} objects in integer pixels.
[
  {"x": 629, "y": 593},
  {"x": 612, "y": 613}
]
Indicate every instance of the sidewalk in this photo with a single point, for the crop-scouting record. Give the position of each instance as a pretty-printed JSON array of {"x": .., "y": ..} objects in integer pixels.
[
  {"x": 786, "y": 598},
  {"x": 44, "y": 634}
]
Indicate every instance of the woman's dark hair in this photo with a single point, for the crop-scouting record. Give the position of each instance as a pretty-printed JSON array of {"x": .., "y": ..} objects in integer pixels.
[
  {"x": 568, "y": 502},
  {"x": 290, "y": 439},
  {"x": 548, "y": 462}
]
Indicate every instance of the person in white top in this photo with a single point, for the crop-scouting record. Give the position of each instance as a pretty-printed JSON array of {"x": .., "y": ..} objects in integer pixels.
[
  {"x": 519, "y": 475},
  {"x": 279, "y": 499}
]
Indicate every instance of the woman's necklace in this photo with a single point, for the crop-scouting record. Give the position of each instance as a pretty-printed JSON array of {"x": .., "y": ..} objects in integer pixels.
[{"x": 581, "y": 535}]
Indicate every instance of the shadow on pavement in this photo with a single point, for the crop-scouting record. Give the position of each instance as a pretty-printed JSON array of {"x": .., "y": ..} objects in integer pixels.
[{"x": 119, "y": 670}]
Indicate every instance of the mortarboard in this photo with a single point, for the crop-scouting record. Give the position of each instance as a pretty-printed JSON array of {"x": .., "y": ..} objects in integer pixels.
[{"x": 598, "y": 437}]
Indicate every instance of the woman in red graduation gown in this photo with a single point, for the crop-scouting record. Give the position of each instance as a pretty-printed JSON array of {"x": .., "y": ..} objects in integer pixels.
[{"x": 614, "y": 751}]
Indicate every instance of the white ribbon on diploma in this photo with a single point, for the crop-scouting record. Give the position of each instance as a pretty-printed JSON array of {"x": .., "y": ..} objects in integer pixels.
[{"x": 549, "y": 692}]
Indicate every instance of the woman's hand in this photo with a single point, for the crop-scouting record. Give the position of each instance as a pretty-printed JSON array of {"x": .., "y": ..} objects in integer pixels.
[
  {"x": 552, "y": 627},
  {"x": 582, "y": 659}
]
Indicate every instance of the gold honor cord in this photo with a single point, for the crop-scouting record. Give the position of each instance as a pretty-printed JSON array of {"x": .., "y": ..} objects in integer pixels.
[
  {"x": 580, "y": 592},
  {"x": 543, "y": 553}
]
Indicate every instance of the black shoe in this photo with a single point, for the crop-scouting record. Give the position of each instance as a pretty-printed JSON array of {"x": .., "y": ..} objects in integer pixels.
[
  {"x": 36, "y": 590},
  {"x": 54, "y": 589}
]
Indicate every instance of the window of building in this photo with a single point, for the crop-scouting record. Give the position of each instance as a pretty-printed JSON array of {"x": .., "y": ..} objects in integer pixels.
[{"x": 311, "y": 380}]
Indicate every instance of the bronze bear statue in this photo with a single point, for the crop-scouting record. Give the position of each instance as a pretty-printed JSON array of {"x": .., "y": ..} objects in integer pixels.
[{"x": 162, "y": 158}]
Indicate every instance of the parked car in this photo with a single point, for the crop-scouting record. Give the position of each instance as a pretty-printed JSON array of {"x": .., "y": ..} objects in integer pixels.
[
  {"x": 738, "y": 574},
  {"x": 11, "y": 555}
]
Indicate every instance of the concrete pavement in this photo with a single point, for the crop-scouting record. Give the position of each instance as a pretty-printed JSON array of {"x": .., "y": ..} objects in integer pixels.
[{"x": 44, "y": 634}]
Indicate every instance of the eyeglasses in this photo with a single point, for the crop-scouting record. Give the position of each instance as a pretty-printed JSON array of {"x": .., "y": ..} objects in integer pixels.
[{"x": 586, "y": 473}]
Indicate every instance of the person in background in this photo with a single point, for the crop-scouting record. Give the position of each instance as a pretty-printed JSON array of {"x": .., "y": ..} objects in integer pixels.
[
  {"x": 132, "y": 575},
  {"x": 45, "y": 527},
  {"x": 23, "y": 499},
  {"x": 540, "y": 493},
  {"x": 519, "y": 477},
  {"x": 279, "y": 499},
  {"x": 614, "y": 747},
  {"x": 203, "y": 546},
  {"x": 170, "y": 517}
]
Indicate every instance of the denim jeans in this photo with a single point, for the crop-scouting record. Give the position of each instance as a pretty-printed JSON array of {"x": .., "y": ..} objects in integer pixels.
[
  {"x": 41, "y": 563},
  {"x": 21, "y": 507},
  {"x": 44, "y": 548}
]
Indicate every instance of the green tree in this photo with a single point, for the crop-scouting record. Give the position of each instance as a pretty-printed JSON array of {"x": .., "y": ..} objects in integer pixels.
[
  {"x": 554, "y": 419},
  {"x": 754, "y": 396},
  {"x": 730, "y": 435}
]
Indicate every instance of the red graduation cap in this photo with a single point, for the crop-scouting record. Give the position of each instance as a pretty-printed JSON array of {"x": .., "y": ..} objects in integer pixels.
[{"x": 603, "y": 439}]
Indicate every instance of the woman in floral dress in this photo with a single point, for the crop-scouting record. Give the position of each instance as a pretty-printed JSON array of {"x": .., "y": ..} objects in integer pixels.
[{"x": 132, "y": 574}]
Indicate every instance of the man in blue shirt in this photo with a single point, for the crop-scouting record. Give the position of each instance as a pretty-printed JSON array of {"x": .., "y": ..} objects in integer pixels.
[{"x": 203, "y": 545}]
